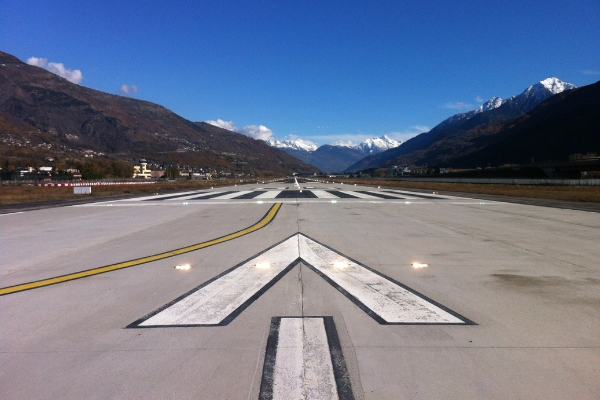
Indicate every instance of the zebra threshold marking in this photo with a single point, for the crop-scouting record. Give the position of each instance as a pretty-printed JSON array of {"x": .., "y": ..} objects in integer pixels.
[{"x": 218, "y": 301}]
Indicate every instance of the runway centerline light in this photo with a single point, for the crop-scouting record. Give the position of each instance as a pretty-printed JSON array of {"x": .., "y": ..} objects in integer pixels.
[
  {"x": 183, "y": 267},
  {"x": 334, "y": 201},
  {"x": 417, "y": 265}
]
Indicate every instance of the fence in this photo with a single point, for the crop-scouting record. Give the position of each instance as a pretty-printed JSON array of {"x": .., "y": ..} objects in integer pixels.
[{"x": 95, "y": 183}]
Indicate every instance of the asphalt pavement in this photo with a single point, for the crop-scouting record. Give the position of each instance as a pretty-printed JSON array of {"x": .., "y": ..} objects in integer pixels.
[{"x": 321, "y": 291}]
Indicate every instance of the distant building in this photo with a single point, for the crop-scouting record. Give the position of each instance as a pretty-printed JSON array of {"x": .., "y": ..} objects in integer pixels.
[
  {"x": 200, "y": 176},
  {"x": 140, "y": 171}
]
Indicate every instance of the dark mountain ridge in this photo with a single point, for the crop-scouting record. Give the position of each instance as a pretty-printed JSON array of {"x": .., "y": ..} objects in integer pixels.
[
  {"x": 460, "y": 123},
  {"x": 565, "y": 124}
]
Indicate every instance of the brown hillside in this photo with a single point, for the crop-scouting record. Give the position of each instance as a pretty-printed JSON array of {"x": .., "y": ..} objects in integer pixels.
[{"x": 38, "y": 108}]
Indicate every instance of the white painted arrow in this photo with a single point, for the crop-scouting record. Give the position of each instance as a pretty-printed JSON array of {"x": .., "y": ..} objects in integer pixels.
[{"x": 221, "y": 299}]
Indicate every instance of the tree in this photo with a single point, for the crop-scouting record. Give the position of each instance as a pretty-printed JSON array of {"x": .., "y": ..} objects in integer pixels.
[
  {"x": 91, "y": 171},
  {"x": 172, "y": 172}
]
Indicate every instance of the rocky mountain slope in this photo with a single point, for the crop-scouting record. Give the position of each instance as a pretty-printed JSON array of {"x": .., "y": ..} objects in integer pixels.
[
  {"x": 565, "y": 124},
  {"x": 38, "y": 108},
  {"x": 494, "y": 110}
]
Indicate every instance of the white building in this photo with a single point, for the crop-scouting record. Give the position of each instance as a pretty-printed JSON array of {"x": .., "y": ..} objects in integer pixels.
[{"x": 140, "y": 171}]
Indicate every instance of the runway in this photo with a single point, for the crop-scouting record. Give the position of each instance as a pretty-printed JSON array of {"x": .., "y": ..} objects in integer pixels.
[{"x": 318, "y": 291}]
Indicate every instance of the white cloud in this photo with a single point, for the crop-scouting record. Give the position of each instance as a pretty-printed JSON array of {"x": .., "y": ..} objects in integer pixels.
[
  {"x": 72, "y": 75},
  {"x": 410, "y": 133},
  {"x": 590, "y": 72},
  {"x": 458, "y": 105},
  {"x": 257, "y": 131},
  {"x": 128, "y": 89},
  {"x": 38, "y": 62},
  {"x": 229, "y": 125},
  {"x": 254, "y": 131},
  {"x": 479, "y": 99}
]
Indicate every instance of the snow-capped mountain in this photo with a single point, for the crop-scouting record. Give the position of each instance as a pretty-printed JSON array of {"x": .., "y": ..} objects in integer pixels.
[
  {"x": 492, "y": 103},
  {"x": 370, "y": 146},
  {"x": 336, "y": 156},
  {"x": 297, "y": 144},
  {"x": 377, "y": 145},
  {"x": 495, "y": 109},
  {"x": 524, "y": 102},
  {"x": 535, "y": 94}
]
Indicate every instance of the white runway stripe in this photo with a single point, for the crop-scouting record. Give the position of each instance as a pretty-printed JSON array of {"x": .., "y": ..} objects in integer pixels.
[
  {"x": 303, "y": 367},
  {"x": 390, "y": 194},
  {"x": 361, "y": 195},
  {"x": 323, "y": 194},
  {"x": 415, "y": 195},
  {"x": 393, "y": 303},
  {"x": 271, "y": 194},
  {"x": 232, "y": 195}
]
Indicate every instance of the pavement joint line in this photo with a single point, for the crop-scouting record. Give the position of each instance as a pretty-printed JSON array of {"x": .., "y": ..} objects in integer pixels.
[{"x": 266, "y": 219}]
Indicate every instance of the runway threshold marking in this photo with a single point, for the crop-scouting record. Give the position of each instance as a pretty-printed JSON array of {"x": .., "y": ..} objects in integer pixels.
[
  {"x": 304, "y": 359},
  {"x": 269, "y": 216},
  {"x": 221, "y": 299}
]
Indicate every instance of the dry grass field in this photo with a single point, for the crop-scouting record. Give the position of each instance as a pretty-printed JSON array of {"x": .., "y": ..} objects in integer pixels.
[
  {"x": 13, "y": 194},
  {"x": 565, "y": 193}
]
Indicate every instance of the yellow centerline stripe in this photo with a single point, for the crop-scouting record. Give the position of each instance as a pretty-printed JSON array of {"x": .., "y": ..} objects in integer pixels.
[{"x": 100, "y": 270}]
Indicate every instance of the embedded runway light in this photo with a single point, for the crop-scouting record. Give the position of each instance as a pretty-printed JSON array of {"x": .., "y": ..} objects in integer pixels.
[
  {"x": 481, "y": 202},
  {"x": 334, "y": 201},
  {"x": 419, "y": 265},
  {"x": 263, "y": 265},
  {"x": 259, "y": 202},
  {"x": 183, "y": 267},
  {"x": 407, "y": 202},
  {"x": 339, "y": 264},
  {"x": 378, "y": 187}
]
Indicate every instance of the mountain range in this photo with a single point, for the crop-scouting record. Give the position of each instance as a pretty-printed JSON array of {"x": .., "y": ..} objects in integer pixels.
[
  {"x": 334, "y": 157},
  {"x": 44, "y": 116},
  {"x": 466, "y": 134}
]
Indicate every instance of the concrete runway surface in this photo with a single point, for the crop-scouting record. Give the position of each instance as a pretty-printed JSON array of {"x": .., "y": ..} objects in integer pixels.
[{"x": 342, "y": 292}]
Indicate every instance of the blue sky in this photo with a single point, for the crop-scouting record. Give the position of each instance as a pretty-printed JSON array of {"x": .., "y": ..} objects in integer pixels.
[{"x": 318, "y": 70}]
